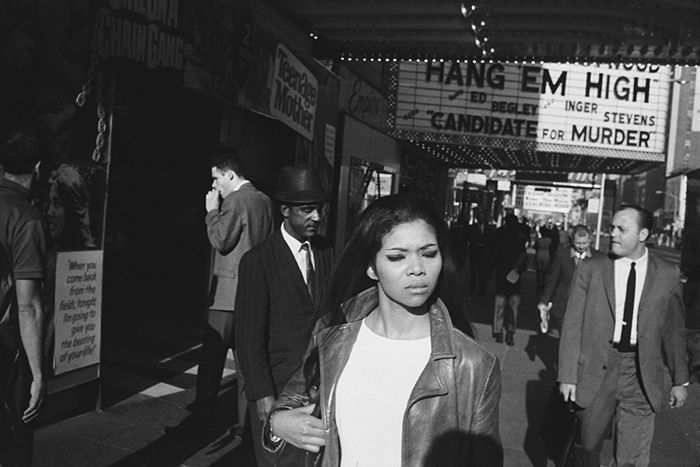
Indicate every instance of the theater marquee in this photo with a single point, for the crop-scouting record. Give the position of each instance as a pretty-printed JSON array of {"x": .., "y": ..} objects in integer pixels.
[{"x": 550, "y": 107}]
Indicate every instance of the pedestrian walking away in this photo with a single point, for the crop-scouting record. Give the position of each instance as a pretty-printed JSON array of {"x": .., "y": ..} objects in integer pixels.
[{"x": 238, "y": 217}]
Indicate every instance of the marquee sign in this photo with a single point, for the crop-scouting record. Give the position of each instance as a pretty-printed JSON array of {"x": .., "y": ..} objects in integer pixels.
[{"x": 550, "y": 107}]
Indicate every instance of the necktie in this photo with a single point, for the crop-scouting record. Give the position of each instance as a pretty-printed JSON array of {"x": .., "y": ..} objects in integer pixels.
[
  {"x": 577, "y": 259},
  {"x": 625, "y": 343},
  {"x": 309, "y": 269}
]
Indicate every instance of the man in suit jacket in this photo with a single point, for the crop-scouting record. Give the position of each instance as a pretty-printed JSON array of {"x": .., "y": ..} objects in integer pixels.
[
  {"x": 279, "y": 291},
  {"x": 552, "y": 303},
  {"x": 624, "y": 322},
  {"x": 238, "y": 218}
]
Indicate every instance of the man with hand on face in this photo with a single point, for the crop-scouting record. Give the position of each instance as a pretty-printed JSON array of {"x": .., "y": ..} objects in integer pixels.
[
  {"x": 238, "y": 217},
  {"x": 279, "y": 292},
  {"x": 624, "y": 323}
]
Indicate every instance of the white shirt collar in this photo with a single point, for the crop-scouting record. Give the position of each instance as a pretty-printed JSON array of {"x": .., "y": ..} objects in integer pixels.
[
  {"x": 585, "y": 254},
  {"x": 643, "y": 259},
  {"x": 241, "y": 184},
  {"x": 292, "y": 243}
]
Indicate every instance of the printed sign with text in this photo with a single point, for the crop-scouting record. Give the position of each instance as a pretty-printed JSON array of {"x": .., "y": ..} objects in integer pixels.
[
  {"x": 294, "y": 93},
  {"x": 78, "y": 313}
]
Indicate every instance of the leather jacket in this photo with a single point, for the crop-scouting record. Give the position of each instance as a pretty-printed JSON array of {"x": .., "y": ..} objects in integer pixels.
[{"x": 452, "y": 415}]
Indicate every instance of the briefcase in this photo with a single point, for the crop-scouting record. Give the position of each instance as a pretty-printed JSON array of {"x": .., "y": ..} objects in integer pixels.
[{"x": 559, "y": 430}]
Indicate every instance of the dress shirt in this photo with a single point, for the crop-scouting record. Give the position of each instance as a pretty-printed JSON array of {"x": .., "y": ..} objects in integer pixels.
[
  {"x": 299, "y": 254},
  {"x": 622, "y": 271},
  {"x": 578, "y": 257}
]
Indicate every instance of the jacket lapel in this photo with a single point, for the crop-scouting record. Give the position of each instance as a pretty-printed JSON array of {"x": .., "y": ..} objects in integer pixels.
[
  {"x": 609, "y": 284},
  {"x": 442, "y": 356},
  {"x": 650, "y": 280}
]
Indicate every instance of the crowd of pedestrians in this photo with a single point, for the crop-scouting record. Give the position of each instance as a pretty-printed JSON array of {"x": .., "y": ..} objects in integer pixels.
[{"x": 370, "y": 359}]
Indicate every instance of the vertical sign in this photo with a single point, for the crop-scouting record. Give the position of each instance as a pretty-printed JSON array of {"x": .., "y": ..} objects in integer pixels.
[
  {"x": 294, "y": 93},
  {"x": 78, "y": 307}
]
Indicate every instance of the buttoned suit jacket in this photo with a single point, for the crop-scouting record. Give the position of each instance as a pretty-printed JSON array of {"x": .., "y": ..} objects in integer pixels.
[
  {"x": 558, "y": 280},
  {"x": 244, "y": 220},
  {"x": 275, "y": 313},
  {"x": 589, "y": 321}
]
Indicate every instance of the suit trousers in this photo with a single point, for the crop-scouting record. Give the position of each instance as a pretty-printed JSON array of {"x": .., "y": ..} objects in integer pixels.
[
  {"x": 16, "y": 437},
  {"x": 218, "y": 338},
  {"x": 622, "y": 397}
]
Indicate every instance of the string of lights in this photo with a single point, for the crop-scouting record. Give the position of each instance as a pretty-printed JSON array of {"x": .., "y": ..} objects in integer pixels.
[{"x": 477, "y": 18}]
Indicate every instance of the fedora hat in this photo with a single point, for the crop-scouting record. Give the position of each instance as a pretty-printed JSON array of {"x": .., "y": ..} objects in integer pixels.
[{"x": 299, "y": 184}]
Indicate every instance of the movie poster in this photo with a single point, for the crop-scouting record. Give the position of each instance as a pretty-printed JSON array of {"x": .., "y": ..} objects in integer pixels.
[{"x": 48, "y": 56}]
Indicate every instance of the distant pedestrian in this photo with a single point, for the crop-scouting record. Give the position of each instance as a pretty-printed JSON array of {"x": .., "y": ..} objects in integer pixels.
[
  {"x": 552, "y": 231},
  {"x": 525, "y": 230},
  {"x": 22, "y": 268},
  {"x": 459, "y": 236},
  {"x": 239, "y": 216},
  {"x": 480, "y": 235},
  {"x": 281, "y": 282},
  {"x": 542, "y": 258},
  {"x": 552, "y": 302},
  {"x": 511, "y": 262},
  {"x": 623, "y": 314}
]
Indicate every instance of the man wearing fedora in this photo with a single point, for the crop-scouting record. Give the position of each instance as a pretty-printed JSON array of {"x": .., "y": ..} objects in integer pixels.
[
  {"x": 239, "y": 216},
  {"x": 279, "y": 292}
]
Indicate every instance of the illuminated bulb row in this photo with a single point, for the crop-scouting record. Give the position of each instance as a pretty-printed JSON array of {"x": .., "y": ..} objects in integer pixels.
[{"x": 350, "y": 58}]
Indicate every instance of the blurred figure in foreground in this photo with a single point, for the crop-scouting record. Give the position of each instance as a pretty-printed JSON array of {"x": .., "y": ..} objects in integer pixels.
[{"x": 22, "y": 266}]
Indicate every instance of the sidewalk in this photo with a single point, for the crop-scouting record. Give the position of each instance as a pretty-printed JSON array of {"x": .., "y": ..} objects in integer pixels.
[{"x": 149, "y": 382}]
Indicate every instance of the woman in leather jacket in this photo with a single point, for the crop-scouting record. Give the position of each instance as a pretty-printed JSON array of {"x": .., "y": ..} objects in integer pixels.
[{"x": 389, "y": 379}]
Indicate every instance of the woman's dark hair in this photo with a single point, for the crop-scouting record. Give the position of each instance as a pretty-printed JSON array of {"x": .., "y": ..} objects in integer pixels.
[
  {"x": 350, "y": 274},
  {"x": 75, "y": 196}
]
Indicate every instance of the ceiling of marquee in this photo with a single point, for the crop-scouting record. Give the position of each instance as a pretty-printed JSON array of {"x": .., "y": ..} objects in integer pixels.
[
  {"x": 660, "y": 31},
  {"x": 603, "y": 31}
]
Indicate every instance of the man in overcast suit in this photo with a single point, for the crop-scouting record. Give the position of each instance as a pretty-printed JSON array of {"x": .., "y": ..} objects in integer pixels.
[
  {"x": 239, "y": 216},
  {"x": 623, "y": 315},
  {"x": 279, "y": 291}
]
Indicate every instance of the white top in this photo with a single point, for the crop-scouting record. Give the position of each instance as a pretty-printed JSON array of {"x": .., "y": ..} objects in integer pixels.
[
  {"x": 372, "y": 396},
  {"x": 299, "y": 254},
  {"x": 622, "y": 272}
]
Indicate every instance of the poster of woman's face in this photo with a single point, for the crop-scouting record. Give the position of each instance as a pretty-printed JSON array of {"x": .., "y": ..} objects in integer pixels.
[{"x": 73, "y": 206}]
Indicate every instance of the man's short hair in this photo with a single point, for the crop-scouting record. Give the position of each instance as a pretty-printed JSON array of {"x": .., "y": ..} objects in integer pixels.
[
  {"x": 19, "y": 153},
  {"x": 580, "y": 230},
  {"x": 228, "y": 161},
  {"x": 644, "y": 218}
]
